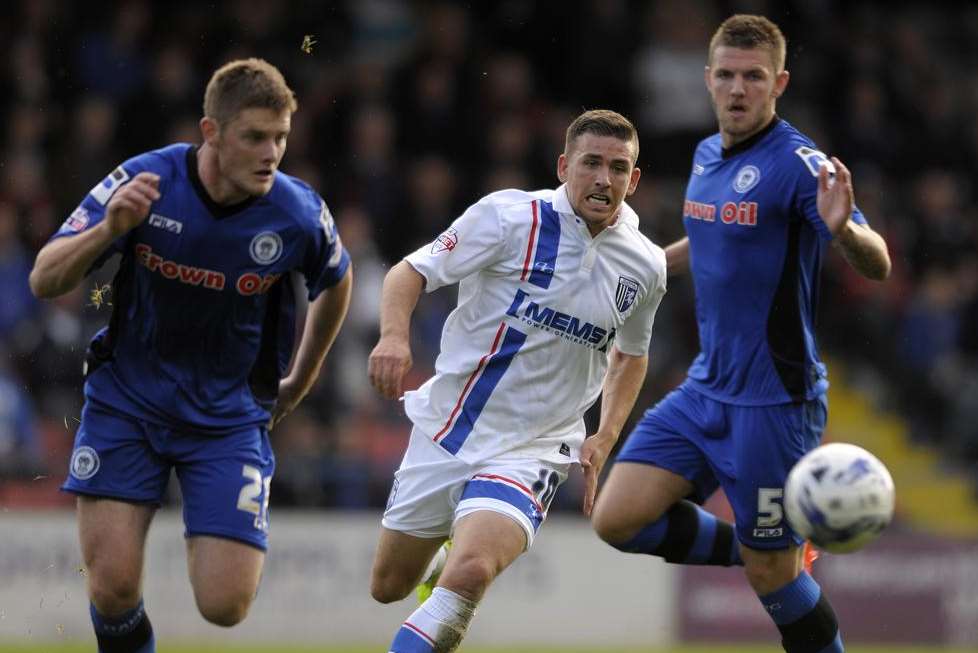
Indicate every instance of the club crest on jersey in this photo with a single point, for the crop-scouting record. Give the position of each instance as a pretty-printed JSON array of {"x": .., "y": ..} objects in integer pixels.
[
  {"x": 77, "y": 221},
  {"x": 445, "y": 242},
  {"x": 747, "y": 177},
  {"x": 84, "y": 463},
  {"x": 626, "y": 293},
  {"x": 266, "y": 248}
]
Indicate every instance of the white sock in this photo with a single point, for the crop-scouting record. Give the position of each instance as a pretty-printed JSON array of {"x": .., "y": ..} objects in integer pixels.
[{"x": 443, "y": 618}]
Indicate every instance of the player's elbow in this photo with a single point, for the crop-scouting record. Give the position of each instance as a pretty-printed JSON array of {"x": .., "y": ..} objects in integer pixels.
[{"x": 42, "y": 285}]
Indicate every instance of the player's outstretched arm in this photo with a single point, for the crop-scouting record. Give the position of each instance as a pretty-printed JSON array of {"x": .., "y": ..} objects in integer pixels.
[
  {"x": 323, "y": 321},
  {"x": 62, "y": 264},
  {"x": 677, "y": 257},
  {"x": 864, "y": 249},
  {"x": 391, "y": 358},
  {"x": 625, "y": 376}
]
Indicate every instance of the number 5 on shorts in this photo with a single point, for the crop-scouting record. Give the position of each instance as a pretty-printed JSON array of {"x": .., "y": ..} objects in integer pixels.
[
  {"x": 252, "y": 498},
  {"x": 769, "y": 511}
]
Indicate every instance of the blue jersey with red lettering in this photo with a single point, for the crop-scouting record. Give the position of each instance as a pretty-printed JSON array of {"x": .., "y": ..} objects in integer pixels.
[
  {"x": 756, "y": 243},
  {"x": 203, "y": 304}
]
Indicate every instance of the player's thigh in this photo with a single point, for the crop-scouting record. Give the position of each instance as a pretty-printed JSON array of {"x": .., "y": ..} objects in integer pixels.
[
  {"x": 635, "y": 495},
  {"x": 516, "y": 486},
  {"x": 115, "y": 456},
  {"x": 112, "y": 535},
  {"x": 225, "y": 483},
  {"x": 769, "y": 440},
  {"x": 484, "y": 543},
  {"x": 223, "y": 572}
]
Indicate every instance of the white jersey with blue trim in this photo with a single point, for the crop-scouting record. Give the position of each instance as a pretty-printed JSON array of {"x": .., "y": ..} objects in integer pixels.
[{"x": 540, "y": 304}]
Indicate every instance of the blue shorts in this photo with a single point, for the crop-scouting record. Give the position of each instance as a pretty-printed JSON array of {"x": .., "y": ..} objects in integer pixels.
[
  {"x": 748, "y": 450},
  {"x": 224, "y": 480}
]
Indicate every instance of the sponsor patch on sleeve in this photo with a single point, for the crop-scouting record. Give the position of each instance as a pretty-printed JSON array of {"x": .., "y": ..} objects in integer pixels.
[
  {"x": 814, "y": 159},
  {"x": 105, "y": 189}
]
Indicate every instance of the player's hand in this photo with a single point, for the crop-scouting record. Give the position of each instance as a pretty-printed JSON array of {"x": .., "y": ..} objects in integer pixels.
[
  {"x": 130, "y": 204},
  {"x": 290, "y": 393},
  {"x": 594, "y": 454},
  {"x": 388, "y": 363},
  {"x": 835, "y": 199}
]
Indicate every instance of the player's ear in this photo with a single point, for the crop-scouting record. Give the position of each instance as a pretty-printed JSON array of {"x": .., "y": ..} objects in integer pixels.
[
  {"x": 562, "y": 168},
  {"x": 633, "y": 180},
  {"x": 706, "y": 78},
  {"x": 209, "y": 129},
  {"x": 781, "y": 82}
]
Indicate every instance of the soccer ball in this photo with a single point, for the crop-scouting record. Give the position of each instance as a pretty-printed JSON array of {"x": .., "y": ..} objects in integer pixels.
[{"x": 839, "y": 496}]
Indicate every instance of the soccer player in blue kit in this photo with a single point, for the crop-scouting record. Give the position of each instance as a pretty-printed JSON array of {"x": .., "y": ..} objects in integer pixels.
[
  {"x": 761, "y": 206},
  {"x": 189, "y": 372}
]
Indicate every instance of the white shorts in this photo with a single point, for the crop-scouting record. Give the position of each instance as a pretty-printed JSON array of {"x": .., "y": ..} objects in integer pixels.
[{"x": 433, "y": 489}]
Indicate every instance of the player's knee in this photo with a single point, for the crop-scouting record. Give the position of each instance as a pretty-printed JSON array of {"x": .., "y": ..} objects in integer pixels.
[
  {"x": 470, "y": 575},
  {"x": 113, "y": 594},
  {"x": 387, "y": 588},
  {"x": 610, "y": 529},
  {"x": 225, "y": 611},
  {"x": 767, "y": 571}
]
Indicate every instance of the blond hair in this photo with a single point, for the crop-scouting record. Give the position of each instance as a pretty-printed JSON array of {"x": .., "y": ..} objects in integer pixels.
[
  {"x": 748, "y": 32},
  {"x": 246, "y": 84}
]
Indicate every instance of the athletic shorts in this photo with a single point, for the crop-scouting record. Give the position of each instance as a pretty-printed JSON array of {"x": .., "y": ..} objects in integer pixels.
[
  {"x": 433, "y": 489},
  {"x": 748, "y": 450},
  {"x": 224, "y": 480}
]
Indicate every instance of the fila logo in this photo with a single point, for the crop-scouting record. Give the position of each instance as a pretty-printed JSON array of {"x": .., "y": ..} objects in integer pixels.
[
  {"x": 698, "y": 169},
  {"x": 165, "y": 223}
]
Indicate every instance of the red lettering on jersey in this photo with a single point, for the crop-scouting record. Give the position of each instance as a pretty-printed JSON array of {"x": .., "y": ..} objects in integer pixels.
[
  {"x": 187, "y": 274},
  {"x": 699, "y": 211},
  {"x": 728, "y": 213},
  {"x": 254, "y": 284}
]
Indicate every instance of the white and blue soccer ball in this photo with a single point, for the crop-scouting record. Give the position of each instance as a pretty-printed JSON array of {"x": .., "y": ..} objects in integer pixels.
[{"x": 839, "y": 496}]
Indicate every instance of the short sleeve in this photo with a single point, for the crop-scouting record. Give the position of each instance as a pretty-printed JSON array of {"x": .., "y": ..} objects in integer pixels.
[
  {"x": 636, "y": 333},
  {"x": 805, "y": 182},
  {"x": 326, "y": 260},
  {"x": 472, "y": 242}
]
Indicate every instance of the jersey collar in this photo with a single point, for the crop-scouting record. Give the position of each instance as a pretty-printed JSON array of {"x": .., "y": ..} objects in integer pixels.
[
  {"x": 217, "y": 210},
  {"x": 744, "y": 145},
  {"x": 562, "y": 205}
]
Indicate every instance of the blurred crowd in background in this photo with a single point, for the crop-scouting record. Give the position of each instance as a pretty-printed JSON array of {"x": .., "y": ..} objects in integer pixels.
[{"x": 410, "y": 111}]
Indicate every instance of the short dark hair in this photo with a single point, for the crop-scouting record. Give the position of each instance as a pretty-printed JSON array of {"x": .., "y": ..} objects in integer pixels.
[
  {"x": 748, "y": 31},
  {"x": 246, "y": 84},
  {"x": 602, "y": 122}
]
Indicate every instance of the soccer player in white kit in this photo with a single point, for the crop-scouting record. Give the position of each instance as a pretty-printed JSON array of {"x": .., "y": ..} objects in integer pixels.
[{"x": 557, "y": 293}]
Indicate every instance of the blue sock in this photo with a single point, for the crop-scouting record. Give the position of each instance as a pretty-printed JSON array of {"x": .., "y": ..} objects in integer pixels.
[
  {"x": 687, "y": 534},
  {"x": 440, "y": 622},
  {"x": 130, "y": 632},
  {"x": 803, "y": 615},
  {"x": 410, "y": 639}
]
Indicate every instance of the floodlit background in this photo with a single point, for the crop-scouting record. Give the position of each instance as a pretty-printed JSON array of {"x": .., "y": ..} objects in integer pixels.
[{"x": 410, "y": 111}]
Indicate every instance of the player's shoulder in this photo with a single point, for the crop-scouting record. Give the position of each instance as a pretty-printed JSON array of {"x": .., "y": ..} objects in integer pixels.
[
  {"x": 644, "y": 248},
  {"x": 297, "y": 199},
  {"x": 709, "y": 147},
  {"x": 511, "y": 207},
  {"x": 795, "y": 151},
  {"x": 165, "y": 161}
]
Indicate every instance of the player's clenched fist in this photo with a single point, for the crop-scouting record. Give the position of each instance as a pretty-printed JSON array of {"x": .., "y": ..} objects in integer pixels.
[
  {"x": 389, "y": 362},
  {"x": 130, "y": 204}
]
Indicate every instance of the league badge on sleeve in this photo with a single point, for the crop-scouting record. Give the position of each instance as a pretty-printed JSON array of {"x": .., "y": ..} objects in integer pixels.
[
  {"x": 446, "y": 242},
  {"x": 77, "y": 221},
  {"x": 626, "y": 293},
  {"x": 105, "y": 189}
]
